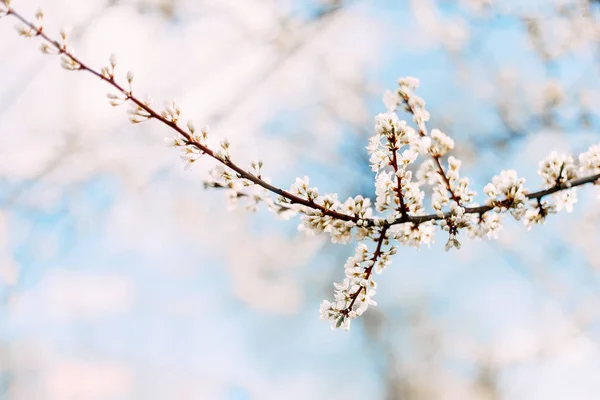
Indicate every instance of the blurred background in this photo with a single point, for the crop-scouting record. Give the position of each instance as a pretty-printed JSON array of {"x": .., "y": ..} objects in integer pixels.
[{"x": 121, "y": 277}]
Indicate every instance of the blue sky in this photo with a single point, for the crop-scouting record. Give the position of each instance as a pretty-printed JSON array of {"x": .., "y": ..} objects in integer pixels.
[{"x": 166, "y": 307}]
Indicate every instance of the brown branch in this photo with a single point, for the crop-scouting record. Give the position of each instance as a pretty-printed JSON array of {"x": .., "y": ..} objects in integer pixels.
[
  {"x": 293, "y": 199},
  {"x": 442, "y": 173},
  {"x": 189, "y": 140},
  {"x": 402, "y": 206},
  {"x": 436, "y": 158},
  {"x": 369, "y": 270},
  {"x": 418, "y": 219}
]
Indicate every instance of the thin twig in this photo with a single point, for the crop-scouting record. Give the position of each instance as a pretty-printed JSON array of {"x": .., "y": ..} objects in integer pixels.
[
  {"x": 483, "y": 209},
  {"x": 189, "y": 140},
  {"x": 293, "y": 199},
  {"x": 376, "y": 254},
  {"x": 423, "y": 132},
  {"x": 402, "y": 206}
]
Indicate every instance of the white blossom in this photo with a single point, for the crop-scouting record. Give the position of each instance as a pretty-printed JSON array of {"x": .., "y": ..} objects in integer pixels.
[
  {"x": 452, "y": 243},
  {"x": 47, "y": 48},
  {"x": 557, "y": 169},
  {"x": 483, "y": 225},
  {"x": 116, "y": 99},
  {"x": 384, "y": 190},
  {"x": 379, "y": 156},
  {"x": 139, "y": 114},
  {"x": 68, "y": 62},
  {"x": 590, "y": 161},
  {"x": 409, "y": 82},
  {"x": 387, "y": 123},
  {"x": 413, "y": 196},
  {"x": 565, "y": 200},
  {"x": 191, "y": 126},
  {"x": 26, "y": 31},
  {"x": 171, "y": 112},
  {"x": 440, "y": 143},
  {"x": 301, "y": 188},
  {"x": 65, "y": 31},
  {"x": 537, "y": 214},
  {"x": 414, "y": 235},
  {"x": 354, "y": 295},
  {"x": 506, "y": 192},
  {"x": 428, "y": 174}
]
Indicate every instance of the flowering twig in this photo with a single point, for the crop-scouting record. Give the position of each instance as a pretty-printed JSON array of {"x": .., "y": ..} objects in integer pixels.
[
  {"x": 483, "y": 209},
  {"x": 399, "y": 203},
  {"x": 367, "y": 273},
  {"x": 394, "y": 162},
  {"x": 416, "y": 106},
  {"x": 358, "y": 284},
  {"x": 70, "y": 61}
]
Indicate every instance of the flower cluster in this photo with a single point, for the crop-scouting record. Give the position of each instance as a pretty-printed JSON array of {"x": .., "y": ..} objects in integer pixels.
[
  {"x": 485, "y": 225},
  {"x": 506, "y": 192},
  {"x": 408, "y": 162},
  {"x": 441, "y": 144},
  {"x": 590, "y": 162},
  {"x": 315, "y": 221},
  {"x": 538, "y": 213},
  {"x": 236, "y": 188},
  {"x": 448, "y": 186},
  {"x": 414, "y": 104},
  {"x": 555, "y": 170},
  {"x": 393, "y": 148},
  {"x": 34, "y": 28},
  {"x": 413, "y": 234},
  {"x": 138, "y": 111},
  {"x": 190, "y": 153},
  {"x": 355, "y": 293}
]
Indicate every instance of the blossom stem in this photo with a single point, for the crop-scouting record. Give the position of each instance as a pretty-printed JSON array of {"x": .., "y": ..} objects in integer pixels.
[
  {"x": 376, "y": 254},
  {"x": 436, "y": 158},
  {"x": 402, "y": 206},
  {"x": 293, "y": 199},
  {"x": 189, "y": 140},
  {"x": 418, "y": 219},
  {"x": 442, "y": 173}
]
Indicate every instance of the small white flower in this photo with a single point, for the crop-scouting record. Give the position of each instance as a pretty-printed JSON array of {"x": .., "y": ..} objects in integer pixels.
[
  {"x": 300, "y": 186},
  {"x": 409, "y": 82},
  {"x": 220, "y": 154},
  {"x": 116, "y": 99},
  {"x": 537, "y": 213},
  {"x": 486, "y": 225},
  {"x": 590, "y": 161},
  {"x": 171, "y": 112},
  {"x": 39, "y": 14},
  {"x": 68, "y": 63},
  {"x": 452, "y": 242},
  {"x": 191, "y": 126},
  {"x": 440, "y": 143},
  {"x": 48, "y": 49},
  {"x": 65, "y": 31},
  {"x": 25, "y": 31}
]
